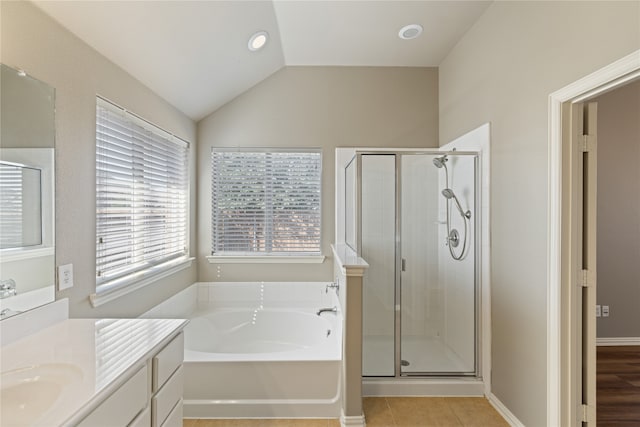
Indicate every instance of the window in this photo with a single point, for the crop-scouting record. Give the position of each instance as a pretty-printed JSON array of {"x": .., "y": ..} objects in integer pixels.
[
  {"x": 141, "y": 198},
  {"x": 20, "y": 211},
  {"x": 266, "y": 203}
]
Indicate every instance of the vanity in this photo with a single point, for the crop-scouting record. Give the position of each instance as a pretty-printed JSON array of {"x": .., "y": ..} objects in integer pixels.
[{"x": 95, "y": 372}]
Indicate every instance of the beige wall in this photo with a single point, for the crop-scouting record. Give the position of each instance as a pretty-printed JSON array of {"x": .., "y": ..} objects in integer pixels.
[
  {"x": 502, "y": 72},
  {"x": 34, "y": 42},
  {"x": 324, "y": 107},
  {"x": 619, "y": 211}
]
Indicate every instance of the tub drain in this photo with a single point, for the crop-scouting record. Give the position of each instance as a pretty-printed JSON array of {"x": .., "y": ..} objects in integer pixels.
[{"x": 405, "y": 362}]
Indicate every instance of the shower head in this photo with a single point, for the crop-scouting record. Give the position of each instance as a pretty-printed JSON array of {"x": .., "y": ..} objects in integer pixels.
[
  {"x": 439, "y": 161},
  {"x": 449, "y": 194}
]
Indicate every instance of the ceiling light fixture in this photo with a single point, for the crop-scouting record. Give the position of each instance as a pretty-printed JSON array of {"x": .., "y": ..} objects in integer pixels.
[
  {"x": 258, "y": 40},
  {"x": 409, "y": 32}
]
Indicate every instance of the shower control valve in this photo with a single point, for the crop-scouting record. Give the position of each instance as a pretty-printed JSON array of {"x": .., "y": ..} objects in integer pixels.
[
  {"x": 454, "y": 238},
  {"x": 334, "y": 285}
]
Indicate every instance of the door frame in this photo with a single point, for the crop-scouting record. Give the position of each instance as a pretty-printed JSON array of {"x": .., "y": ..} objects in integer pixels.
[{"x": 561, "y": 376}]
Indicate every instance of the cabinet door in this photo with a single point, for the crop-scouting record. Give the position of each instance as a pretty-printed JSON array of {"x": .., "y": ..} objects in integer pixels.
[
  {"x": 165, "y": 400},
  {"x": 167, "y": 361},
  {"x": 123, "y": 405},
  {"x": 175, "y": 417}
]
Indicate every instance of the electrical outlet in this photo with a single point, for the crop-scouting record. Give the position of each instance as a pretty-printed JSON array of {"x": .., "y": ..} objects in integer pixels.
[
  {"x": 605, "y": 311},
  {"x": 65, "y": 276},
  {"x": 598, "y": 311}
]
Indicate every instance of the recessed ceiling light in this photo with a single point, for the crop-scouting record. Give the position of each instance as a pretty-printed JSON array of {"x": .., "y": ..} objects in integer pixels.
[
  {"x": 258, "y": 40},
  {"x": 409, "y": 32}
]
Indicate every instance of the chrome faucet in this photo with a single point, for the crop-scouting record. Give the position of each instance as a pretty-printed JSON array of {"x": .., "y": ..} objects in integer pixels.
[
  {"x": 7, "y": 288},
  {"x": 333, "y": 309},
  {"x": 333, "y": 285}
]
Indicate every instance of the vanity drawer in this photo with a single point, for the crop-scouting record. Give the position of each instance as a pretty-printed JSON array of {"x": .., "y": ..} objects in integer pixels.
[
  {"x": 165, "y": 399},
  {"x": 123, "y": 405},
  {"x": 175, "y": 417},
  {"x": 167, "y": 361}
]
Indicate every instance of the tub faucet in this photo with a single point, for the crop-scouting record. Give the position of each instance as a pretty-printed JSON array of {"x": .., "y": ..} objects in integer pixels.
[
  {"x": 7, "y": 288},
  {"x": 333, "y": 309}
]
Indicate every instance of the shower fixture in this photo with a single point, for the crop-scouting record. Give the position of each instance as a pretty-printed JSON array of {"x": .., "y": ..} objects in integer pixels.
[
  {"x": 449, "y": 194},
  {"x": 440, "y": 161},
  {"x": 453, "y": 236}
]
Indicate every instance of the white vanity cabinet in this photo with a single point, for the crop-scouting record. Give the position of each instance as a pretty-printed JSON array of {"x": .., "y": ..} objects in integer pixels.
[
  {"x": 152, "y": 397},
  {"x": 106, "y": 372},
  {"x": 166, "y": 384},
  {"x": 123, "y": 405}
]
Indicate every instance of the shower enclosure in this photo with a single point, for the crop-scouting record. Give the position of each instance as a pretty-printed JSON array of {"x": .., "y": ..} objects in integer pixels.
[{"x": 413, "y": 216}]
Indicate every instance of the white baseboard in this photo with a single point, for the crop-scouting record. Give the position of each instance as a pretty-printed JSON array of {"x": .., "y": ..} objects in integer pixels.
[
  {"x": 618, "y": 341},
  {"x": 352, "y": 421},
  {"x": 504, "y": 411}
]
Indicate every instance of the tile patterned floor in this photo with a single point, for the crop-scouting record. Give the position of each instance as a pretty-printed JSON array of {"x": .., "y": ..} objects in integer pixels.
[{"x": 394, "y": 412}]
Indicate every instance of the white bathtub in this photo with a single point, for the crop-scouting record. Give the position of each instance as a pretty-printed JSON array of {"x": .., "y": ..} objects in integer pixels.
[{"x": 260, "y": 350}]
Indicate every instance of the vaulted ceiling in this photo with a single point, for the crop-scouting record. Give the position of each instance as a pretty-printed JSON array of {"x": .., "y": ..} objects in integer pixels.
[{"x": 194, "y": 53}]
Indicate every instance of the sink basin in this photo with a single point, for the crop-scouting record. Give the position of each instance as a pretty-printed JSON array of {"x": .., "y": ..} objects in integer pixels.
[{"x": 27, "y": 393}]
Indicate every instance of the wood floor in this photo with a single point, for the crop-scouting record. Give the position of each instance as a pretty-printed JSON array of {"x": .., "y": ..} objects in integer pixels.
[
  {"x": 394, "y": 412},
  {"x": 618, "y": 386}
]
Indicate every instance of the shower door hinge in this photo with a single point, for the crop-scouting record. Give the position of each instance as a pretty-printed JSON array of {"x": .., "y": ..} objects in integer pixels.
[
  {"x": 587, "y": 144},
  {"x": 584, "y": 278}
]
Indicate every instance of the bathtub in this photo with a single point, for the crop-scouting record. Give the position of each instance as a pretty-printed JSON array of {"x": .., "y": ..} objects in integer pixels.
[{"x": 260, "y": 350}]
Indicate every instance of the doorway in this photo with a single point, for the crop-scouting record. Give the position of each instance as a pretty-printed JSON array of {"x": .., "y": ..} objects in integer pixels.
[
  {"x": 571, "y": 330},
  {"x": 618, "y": 249}
]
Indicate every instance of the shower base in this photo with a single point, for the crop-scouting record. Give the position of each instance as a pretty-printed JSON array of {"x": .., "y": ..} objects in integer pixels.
[{"x": 424, "y": 354}]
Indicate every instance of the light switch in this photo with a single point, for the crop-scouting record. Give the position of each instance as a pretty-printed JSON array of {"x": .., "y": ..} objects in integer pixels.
[{"x": 65, "y": 276}]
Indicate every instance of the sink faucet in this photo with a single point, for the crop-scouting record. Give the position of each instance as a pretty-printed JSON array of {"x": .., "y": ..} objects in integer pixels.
[
  {"x": 7, "y": 288},
  {"x": 7, "y": 312},
  {"x": 333, "y": 309}
]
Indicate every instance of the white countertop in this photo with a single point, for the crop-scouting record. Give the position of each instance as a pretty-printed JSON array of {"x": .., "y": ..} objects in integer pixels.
[{"x": 98, "y": 355}]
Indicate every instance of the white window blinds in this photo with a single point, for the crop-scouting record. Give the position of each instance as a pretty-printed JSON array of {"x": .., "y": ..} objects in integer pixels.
[
  {"x": 141, "y": 197},
  {"x": 21, "y": 213},
  {"x": 266, "y": 202}
]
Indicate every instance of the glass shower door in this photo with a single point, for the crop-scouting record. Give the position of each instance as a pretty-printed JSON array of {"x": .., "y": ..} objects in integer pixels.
[{"x": 437, "y": 250}]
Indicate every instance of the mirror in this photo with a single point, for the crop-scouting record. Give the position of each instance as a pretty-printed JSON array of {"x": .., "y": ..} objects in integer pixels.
[{"x": 27, "y": 184}]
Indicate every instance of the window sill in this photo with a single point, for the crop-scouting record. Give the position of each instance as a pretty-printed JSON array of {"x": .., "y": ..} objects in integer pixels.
[
  {"x": 20, "y": 254},
  {"x": 265, "y": 259},
  {"x": 99, "y": 298}
]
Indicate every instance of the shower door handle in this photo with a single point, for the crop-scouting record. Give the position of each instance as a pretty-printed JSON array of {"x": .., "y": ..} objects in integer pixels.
[{"x": 403, "y": 264}]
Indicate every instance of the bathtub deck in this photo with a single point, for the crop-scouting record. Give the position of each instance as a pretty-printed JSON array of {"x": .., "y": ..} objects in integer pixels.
[{"x": 393, "y": 412}]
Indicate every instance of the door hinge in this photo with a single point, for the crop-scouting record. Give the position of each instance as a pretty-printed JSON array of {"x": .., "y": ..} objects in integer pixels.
[
  {"x": 584, "y": 278},
  {"x": 587, "y": 144},
  {"x": 587, "y": 414}
]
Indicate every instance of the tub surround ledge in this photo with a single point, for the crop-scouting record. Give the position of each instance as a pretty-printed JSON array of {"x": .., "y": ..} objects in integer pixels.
[{"x": 348, "y": 261}]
